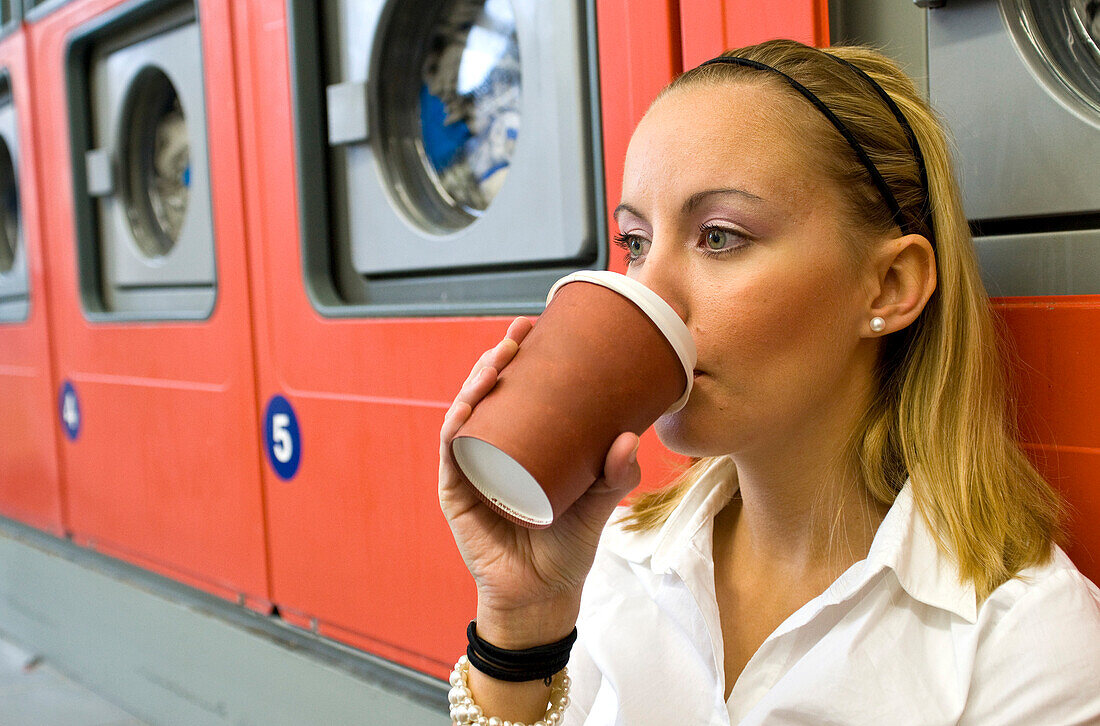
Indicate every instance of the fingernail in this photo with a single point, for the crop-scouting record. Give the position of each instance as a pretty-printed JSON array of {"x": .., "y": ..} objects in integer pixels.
[{"x": 633, "y": 458}]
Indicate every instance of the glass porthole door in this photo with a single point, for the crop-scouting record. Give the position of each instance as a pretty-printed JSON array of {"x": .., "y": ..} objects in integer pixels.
[
  {"x": 1060, "y": 40},
  {"x": 458, "y": 144},
  {"x": 156, "y": 163},
  {"x": 450, "y": 114},
  {"x": 143, "y": 181}
]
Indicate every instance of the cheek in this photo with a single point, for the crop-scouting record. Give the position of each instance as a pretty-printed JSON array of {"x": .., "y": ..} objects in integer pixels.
[{"x": 787, "y": 323}]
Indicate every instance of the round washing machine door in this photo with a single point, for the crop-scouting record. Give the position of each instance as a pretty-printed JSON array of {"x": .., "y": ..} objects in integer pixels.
[
  {"x": 9, "y": 210},
  {"x": 448, "y": 109},
  {"x": 155, "y": 162},
  {"x": 1060, "y": 40}
]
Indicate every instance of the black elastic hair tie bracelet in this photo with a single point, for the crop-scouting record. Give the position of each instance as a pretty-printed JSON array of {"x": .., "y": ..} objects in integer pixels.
[{"x": 529, "y": 664}]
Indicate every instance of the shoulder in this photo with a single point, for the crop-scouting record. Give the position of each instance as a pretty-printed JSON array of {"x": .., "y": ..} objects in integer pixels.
[
  {"x": 1056, "y": 584},
  {"x": 1037, "y": 649},
  {"x": 1054, "y": 596}
]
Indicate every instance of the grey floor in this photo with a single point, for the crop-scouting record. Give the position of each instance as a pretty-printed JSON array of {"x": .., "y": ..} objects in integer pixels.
[{"x": 33, "y": 693}]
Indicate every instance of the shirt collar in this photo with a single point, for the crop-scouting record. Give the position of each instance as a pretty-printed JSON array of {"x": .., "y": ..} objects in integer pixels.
[
  {"x": 903, "y": 543},
  {"x": 661, "y": 546}
]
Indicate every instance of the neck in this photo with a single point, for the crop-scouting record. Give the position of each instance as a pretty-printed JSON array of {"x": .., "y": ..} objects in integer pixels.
[{"x": 802, "y": 509}]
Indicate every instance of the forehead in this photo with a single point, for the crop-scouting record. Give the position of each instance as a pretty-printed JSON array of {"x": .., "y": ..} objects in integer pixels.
[{"x": 748, "y": 135}]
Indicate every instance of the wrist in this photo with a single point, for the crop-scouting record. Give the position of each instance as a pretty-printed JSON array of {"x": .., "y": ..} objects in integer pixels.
[{"x": 529, "y": 626}]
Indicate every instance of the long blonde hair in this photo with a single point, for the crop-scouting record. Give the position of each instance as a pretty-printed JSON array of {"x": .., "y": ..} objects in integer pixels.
[{"x": 942, "y": 416}]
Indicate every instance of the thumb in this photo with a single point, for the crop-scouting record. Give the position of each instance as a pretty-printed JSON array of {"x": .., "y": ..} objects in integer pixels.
[{"x": 621, "y": 474}]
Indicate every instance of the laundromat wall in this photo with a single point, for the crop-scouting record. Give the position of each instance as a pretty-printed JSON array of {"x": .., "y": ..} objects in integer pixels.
[{"x": 227, "y": 361}]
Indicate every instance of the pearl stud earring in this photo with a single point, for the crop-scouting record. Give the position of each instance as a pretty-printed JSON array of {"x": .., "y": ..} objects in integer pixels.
[{"x": 878, "y": 324}]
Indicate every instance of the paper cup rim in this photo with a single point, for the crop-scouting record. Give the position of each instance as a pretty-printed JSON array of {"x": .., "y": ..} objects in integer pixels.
[
  {"x": 655, "y": 308},
  {"x": 503, "y": 482}
]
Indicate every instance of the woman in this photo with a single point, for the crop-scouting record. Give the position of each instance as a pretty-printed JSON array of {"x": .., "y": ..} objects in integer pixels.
[{"x": 859, "y": 540}]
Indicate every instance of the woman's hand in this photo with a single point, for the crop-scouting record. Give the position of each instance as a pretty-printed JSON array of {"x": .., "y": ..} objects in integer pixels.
[{"x": 528, "y": 580}]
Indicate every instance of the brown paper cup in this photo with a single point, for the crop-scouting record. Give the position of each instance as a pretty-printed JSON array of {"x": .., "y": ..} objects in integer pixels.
[{"x": 607, "y": 356}]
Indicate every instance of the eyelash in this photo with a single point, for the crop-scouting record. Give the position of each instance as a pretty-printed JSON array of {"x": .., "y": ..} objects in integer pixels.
[{"x": 624, "y": 240}]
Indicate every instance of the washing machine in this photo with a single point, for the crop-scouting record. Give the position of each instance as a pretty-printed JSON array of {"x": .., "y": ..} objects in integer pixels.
[
  {"x": 1018, "y": 82},
  {"x": 154, "y": 399},
  {"x": 447, "y": 151},
  {"x": 30, "y": 487},
  {"x": 13, "y": 257},
  {"x": 142, "y": 177}
]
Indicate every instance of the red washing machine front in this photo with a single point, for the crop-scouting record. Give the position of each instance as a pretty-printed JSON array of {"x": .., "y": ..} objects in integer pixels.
[
  {"x": 29, "y": 481},
  {"x": 149, "y": 300}
]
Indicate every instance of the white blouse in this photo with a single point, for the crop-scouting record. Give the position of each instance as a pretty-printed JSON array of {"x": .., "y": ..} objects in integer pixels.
[{"x": 895, "y": 640}]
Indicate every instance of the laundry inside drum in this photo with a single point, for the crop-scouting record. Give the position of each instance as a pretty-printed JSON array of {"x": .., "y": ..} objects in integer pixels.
[
  {"x": 156, "y": 163},
  {"x": 469, "y": 101}
]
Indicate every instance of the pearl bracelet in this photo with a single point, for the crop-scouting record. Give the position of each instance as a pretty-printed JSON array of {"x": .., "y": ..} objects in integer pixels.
[{"x": 464, "y": 711}]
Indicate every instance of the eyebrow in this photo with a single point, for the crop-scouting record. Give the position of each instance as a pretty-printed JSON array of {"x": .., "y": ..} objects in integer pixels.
[{"x": 693, "y": 201}]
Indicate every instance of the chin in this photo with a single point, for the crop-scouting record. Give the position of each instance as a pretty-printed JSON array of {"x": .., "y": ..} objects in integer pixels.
[{"x": 675, "y": 432}]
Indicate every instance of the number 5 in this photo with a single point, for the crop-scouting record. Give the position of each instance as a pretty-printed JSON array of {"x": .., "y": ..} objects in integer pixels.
[
  {"x": 69, "y": 414},
  {"x": 282, "y": 446}
]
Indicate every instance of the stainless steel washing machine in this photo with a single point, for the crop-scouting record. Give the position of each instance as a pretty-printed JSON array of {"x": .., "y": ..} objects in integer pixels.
[
  {"x": 141, "y": 175},
  {"x": 13, "y": 255},
  {"x": 447, "y": 152},
  {"x": 1018, "y": 82}
]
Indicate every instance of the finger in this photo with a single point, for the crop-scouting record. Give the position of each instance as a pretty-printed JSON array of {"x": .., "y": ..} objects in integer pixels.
[
  {"x": 621, "y": 472},
  {"x": 621, "y": 475},
  {"x": 462, "y": 407},
  {"x": 463, "y": 404},
  {"x": 452, "y": 422},
  {"x": 476, "y": 389},
  {"x": 456, "y": 496},
  {"x": 502, "y": 353},
  {"x": 519, "y": 328},
  {"x": 482, "y": 362},
  {"x": 496, "y": 357}
]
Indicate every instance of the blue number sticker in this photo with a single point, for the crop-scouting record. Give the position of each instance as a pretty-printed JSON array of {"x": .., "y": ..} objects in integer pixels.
[
  {"x": 69, "y": 405},
  {"x": 281, "y": 437}
]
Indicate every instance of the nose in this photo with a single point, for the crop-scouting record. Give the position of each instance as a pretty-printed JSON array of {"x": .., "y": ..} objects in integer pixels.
[{"x": 666, "y": 274}]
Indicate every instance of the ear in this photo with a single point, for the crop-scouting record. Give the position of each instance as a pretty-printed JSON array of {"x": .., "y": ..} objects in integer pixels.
[{"x": 904, "y": 271}]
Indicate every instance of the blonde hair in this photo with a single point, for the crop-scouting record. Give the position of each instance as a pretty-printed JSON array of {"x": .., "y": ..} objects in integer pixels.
[{"x": 942, "y": 416}]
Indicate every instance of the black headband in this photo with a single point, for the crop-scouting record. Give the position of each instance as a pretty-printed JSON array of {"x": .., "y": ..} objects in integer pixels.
[
  {"x": 876, "y": 177},
  {"x": 927, "y": 199}
]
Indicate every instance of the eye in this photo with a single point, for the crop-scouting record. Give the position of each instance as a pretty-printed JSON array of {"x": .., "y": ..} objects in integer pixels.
[
  {"x": 634, "y": 245},
  {"x": 720, "y": 239}
]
